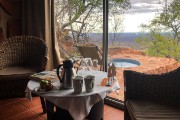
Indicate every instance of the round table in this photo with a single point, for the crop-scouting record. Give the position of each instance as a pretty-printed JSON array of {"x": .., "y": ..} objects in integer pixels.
[{"x": 77, "y": 105}]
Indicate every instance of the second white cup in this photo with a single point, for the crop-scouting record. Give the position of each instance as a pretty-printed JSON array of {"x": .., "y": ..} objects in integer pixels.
[{"x": 89, "y": 83}]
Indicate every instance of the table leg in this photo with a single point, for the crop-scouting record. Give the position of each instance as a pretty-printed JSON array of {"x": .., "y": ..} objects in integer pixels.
[
  {"x": 43, "y": 104},
  {"x": 50, "y": 110},
  {"x": 97, "y": 111},
  {"x": 59, "y": 114}
]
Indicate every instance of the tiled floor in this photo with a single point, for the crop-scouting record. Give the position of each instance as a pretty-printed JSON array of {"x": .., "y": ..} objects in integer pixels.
[{"x": 23, "y": 109}]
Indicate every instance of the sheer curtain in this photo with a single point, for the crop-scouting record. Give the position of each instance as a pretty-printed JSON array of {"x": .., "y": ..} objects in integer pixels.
[{"x": 38, "y": 20}]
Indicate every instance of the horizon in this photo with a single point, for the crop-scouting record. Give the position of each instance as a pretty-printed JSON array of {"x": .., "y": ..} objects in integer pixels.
[{"x": 122, "y": 32}]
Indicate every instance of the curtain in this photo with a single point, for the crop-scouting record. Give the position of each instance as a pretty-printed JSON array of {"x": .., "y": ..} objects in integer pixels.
[{"x": 38, "y": 20}]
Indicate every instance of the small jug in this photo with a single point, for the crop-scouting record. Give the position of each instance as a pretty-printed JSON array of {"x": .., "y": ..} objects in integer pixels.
[{"x": 67, "y": 74}]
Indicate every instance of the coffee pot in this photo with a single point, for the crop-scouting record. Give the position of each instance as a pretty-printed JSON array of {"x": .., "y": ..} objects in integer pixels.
[{"x": 67, "y": 74}]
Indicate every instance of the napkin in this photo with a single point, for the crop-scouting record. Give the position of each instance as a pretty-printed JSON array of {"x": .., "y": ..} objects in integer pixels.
[{"x": 114, "y": 84}]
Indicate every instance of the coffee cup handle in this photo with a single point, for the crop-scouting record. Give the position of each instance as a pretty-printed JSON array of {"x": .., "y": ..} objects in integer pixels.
[
  {"x": 81, "y": 83},
  {"x": 92, "y": 84}
]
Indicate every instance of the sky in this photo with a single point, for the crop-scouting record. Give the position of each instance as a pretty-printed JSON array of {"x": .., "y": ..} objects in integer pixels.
[{"x": 141, "y": 11}]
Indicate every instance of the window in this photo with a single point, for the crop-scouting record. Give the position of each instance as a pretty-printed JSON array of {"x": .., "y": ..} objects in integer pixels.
[{"x": 84, "y": 22}]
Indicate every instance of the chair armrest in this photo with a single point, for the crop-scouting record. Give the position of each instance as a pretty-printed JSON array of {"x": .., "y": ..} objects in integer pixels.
[{"x": 152, "y": 86}]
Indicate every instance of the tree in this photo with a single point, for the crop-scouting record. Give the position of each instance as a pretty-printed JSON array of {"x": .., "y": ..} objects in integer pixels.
[
  {"x": 75, "y": 15},
  {"x": 164, "y": 37},
  {"x": 164, "y": 47}
]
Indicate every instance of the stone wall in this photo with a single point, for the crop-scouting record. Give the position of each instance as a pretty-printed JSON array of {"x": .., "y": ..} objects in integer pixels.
[{"x": 10, "y": 18}]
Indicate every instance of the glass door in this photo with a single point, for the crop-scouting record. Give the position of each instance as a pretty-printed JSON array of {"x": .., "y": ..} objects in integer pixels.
[
  {"x": 82, "y": 22},
  {"x": 142, "y": 39},
  {"x": 139, "y": 35}
]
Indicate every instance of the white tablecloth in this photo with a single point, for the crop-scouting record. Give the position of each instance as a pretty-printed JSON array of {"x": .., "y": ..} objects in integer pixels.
[{"x": 78, "y": 105}]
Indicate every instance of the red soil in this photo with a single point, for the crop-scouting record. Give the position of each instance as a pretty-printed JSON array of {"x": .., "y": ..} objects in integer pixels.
[{"x": 149, "y": 65}]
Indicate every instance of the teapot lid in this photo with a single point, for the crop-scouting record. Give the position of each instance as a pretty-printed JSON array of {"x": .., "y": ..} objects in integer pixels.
[{"x": 67, "y": 64}]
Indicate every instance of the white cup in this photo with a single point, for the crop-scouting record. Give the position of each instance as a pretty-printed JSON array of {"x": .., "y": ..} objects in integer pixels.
[
  {"x": 89, "y": 83},
  {"x": 78, "y": 84}
]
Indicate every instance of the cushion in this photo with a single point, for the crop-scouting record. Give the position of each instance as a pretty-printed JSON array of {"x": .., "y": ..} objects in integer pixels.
[
  {"x": 17, "y": 72},
  {"x": 153, "y": 109}
]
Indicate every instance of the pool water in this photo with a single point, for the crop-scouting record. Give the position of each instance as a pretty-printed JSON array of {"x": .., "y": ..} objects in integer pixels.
[{"x": 125, "y": 63}]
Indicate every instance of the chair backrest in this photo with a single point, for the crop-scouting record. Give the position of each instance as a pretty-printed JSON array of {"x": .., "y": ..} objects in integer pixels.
[
  {"x": 22, "y": 50},
  {"x": 92, "y": 52},
  {"x": 152, "y": 86}
]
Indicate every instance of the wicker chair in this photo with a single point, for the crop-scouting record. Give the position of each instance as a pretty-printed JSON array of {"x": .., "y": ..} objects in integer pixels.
[
  {"x": 152, "y": 97},
  {"x": 21, "y": 56}
]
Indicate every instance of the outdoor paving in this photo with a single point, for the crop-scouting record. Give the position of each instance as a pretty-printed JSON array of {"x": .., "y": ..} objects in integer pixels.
[{"x": 149, "y": 65}]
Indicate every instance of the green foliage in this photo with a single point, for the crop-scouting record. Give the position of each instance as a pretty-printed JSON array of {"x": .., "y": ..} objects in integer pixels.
[
  {"x": 144, "y": 41},
  {"x": 160, "y": 45},
  {"x": 118, "y": 0},
  {"x": 164, "y": 47},
  {"x": 167, "y": 21}
]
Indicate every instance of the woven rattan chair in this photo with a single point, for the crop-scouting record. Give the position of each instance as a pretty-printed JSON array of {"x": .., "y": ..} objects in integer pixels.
[
  {"x": 21, "y": 56},
  {"x": 152, "y": 97}
]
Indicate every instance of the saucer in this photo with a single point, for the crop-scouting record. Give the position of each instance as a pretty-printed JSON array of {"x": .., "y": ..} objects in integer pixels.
[{"x": 39, "y": 90}]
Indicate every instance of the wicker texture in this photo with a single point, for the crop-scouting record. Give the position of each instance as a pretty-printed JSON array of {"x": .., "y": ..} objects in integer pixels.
[
  {"x": 20, "y": 51},
  {"x": 163, "y": 87},
  {"x": 153, "y": 86}
]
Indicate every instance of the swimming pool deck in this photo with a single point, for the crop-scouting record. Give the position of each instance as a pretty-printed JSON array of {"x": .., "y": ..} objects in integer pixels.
[{"x": 149, "y": 65}]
